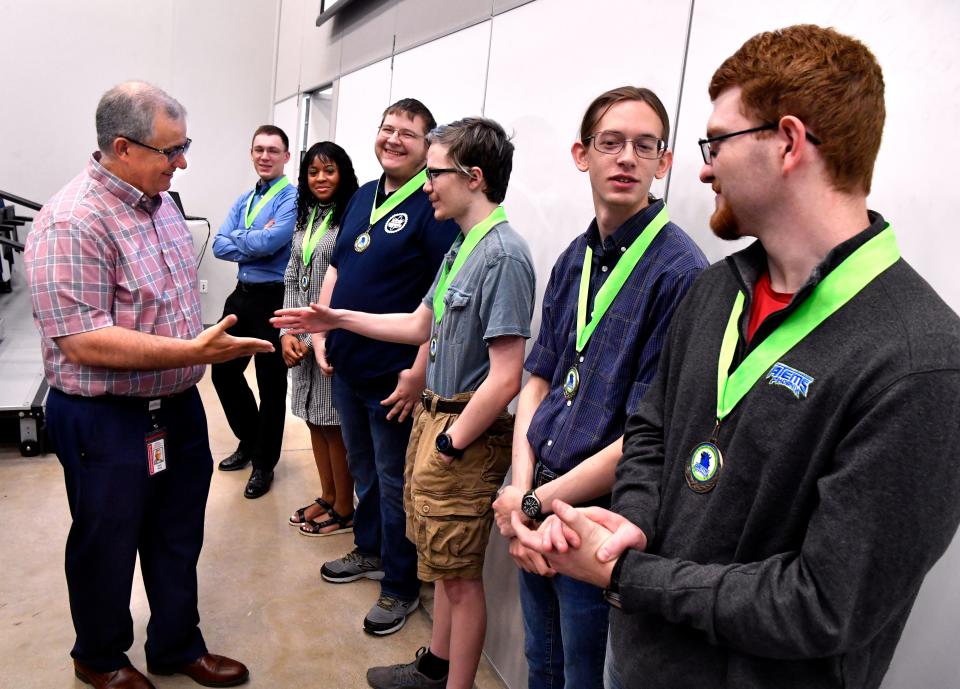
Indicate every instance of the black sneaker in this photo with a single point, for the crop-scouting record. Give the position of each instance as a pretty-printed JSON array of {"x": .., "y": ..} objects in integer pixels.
[
  {"x": 388, "y": 614},
  {"x": 403, "y": 676}
]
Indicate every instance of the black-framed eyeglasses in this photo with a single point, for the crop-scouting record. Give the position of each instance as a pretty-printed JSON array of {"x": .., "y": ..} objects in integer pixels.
[
  {"x": 434, "y": 172},
  {"x": 709, "y": 152},
  {"x": 172, "y": 153},
  {"x": 611, "y": 143}
]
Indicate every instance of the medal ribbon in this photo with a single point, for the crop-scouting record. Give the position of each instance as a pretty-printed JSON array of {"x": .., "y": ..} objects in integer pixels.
[
  {"x": 618, "y": 277},
  {"x": 277, "y": 187},
  {"x": 856, "y": 272},
  {"x": 397, "y": 197},
  {"x": 311, "y": 238},
  {"x": 476, "y": 233}
]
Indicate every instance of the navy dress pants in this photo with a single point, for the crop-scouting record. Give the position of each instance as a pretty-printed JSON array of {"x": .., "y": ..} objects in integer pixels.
[{"x": 120, "y": 510}]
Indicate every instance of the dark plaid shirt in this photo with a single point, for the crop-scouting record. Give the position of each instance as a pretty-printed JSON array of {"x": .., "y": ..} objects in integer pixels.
[{"x": 621, "y": 357}]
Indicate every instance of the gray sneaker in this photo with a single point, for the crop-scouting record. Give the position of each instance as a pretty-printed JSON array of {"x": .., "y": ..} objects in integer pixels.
[
  {"x": 403, "y": 676},
  {"x": 352, "y": 566},
  {"x": 388, "y": 615}
]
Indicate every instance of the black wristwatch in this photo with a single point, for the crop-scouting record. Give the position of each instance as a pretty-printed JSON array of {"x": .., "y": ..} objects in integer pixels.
[
  {"x": 611, "y": 594},
  {"x": 530, "y": 505},
  {"x": 445, "y": 446}
]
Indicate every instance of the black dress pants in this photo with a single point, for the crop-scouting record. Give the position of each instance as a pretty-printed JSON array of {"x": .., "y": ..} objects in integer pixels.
[{"x": 259, "y": 430}]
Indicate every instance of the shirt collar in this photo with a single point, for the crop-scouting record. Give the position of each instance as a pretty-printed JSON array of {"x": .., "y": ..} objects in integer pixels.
[
  {"x": 126, "y": 192},
  {"x": 627, "y": 233},
  {"x": 748, "y": 264},
  {"x": 262, "y": 187}
]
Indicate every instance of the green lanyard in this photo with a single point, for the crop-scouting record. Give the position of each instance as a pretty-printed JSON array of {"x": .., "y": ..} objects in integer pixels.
[
  {"x": 398, "y": 197},
  {"x": 478, "y": 232},
  {"x": 842, "y": 284},
  {"x": 618, "y": 277},
  {"x": 278, "y": 186},
  {"x": 311, "y": 238}
]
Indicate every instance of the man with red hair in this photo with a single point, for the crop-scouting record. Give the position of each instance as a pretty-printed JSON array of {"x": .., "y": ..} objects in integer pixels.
[{"x": 782, "y": 492}]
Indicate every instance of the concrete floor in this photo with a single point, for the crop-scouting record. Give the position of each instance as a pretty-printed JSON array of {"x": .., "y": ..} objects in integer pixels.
[{"x": 261, "y": 597}]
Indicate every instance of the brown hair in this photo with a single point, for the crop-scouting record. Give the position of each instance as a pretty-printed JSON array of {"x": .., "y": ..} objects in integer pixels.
[
  {"x": 411, "y": 107},
  {"x": 271, "y": 130},
  {"x": 598, "y": 108},
  {"x": 830, "y": 81},
  {"x": 478, "y": 142}
]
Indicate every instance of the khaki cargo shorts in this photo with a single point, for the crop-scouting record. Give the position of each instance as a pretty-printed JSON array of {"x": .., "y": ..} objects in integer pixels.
[{"x": 449, "y": 506}]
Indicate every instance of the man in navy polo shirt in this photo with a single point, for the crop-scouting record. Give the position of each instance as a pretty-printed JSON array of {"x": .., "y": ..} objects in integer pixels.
[
  {"x": 606, "y": 310},
  {"x": 256, "y": 235},
  {"x": 387, "y": 254}
]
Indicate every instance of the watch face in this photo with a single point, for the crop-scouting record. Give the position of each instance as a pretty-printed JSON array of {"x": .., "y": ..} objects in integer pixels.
[
  {"x": 530, "y": 506},
  {"x": 443, "y": 442}
]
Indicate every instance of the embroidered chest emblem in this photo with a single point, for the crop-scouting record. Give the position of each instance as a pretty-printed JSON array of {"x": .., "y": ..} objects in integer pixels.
[
  {"x": 793, "y": 380},
  {"x": 395, "y": 223}
]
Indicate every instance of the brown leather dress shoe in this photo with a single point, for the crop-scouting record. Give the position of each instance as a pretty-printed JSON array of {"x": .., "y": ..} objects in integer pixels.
[
  {"x": 210, "y": 670},
  {"x": 125, "y": 678}
]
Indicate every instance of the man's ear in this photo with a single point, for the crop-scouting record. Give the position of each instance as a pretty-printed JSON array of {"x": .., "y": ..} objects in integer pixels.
[
  {"x": 795, "y": 145},
  {"x": 663, "y": 166},
  {"x": 476, "y": 180},
  {"x": 120, "y": 148},
  {"x": 579, "y": 153}
]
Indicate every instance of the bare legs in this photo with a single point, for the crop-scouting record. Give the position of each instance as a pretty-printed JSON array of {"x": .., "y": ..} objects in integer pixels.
[
  {"x": 336, "y": 483},
  {"x": 459, "y": 628}
]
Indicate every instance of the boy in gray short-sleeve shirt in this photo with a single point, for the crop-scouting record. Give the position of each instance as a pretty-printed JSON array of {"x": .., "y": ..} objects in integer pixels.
[
  {"x": 490, "y": 297},
  {"x": 476, "y": 316}
]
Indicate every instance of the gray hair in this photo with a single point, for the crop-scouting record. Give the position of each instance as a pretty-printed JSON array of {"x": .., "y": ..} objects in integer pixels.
[{"x": 129, "y": 109}]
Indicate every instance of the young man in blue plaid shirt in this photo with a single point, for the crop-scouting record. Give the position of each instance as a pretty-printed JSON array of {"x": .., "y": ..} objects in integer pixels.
[{"x": 607, "y": 306}]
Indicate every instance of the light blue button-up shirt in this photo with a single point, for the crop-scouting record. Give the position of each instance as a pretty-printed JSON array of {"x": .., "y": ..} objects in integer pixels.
[{"x": 262, "y": 253}]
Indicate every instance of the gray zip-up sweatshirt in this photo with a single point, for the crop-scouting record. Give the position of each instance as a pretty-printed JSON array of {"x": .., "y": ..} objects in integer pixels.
[{"x": 800, "y": 567}]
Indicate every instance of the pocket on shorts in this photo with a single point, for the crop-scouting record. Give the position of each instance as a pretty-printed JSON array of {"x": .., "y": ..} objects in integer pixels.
[
  {"x": 452, "y": 532},
  {"x": 498, "y": 451}
]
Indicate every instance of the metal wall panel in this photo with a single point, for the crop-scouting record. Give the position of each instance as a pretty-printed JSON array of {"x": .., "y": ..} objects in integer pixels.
[
  {"x": 421, "y": 20},
  {"x": 289, "y": 48}
]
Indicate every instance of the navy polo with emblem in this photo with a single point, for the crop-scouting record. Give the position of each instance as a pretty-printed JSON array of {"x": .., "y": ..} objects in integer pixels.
[{"x": 390, "y": 276}]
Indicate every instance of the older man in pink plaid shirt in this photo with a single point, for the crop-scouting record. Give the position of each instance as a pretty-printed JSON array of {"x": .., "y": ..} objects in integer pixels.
[{"x": 112, "y": 275}]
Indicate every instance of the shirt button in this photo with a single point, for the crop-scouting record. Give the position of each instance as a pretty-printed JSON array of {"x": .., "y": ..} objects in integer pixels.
[
  {"x": 569, "y": 402},
  {"x": 622, "y": 249},
  {"x": 581, "y": 360},
  {"x": 604, "y": 269},
  {"x": 549, "y": 443}
]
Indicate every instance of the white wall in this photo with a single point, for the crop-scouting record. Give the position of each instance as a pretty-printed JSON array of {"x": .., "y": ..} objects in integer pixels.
[{"x": 216, "y": 57}]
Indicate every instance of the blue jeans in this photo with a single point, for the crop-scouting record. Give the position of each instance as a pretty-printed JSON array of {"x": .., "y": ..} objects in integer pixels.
[
  {"x": 565, "y": 628},
  {"x": 376, "y": 454}
]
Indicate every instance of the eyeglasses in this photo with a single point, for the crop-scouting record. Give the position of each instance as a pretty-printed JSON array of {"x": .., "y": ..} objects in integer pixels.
[
  {"x": 271, "y": 151},
  {"x": 386, "y": 131},
  {"x": 611, "y": 143},
  {"x": 434, "y": 172},
  {"x": 172, "y": 153},
  {"x": 709, "y": 152}
]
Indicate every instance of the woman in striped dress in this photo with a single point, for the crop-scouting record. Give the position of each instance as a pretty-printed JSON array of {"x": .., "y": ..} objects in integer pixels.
[{"x": 326, "y": 183}]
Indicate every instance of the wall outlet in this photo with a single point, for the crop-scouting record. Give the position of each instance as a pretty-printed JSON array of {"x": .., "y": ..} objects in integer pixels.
[{"x": 204, "y": 287}]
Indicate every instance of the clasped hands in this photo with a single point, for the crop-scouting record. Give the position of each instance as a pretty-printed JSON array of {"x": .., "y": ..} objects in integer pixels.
[{"x": 583, "y": 543}]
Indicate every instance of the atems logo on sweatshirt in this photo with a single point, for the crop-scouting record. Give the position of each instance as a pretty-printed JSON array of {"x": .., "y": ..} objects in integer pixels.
[
  {"x": 795, "y": 381},
  {"x": 395, "y": 223}
]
